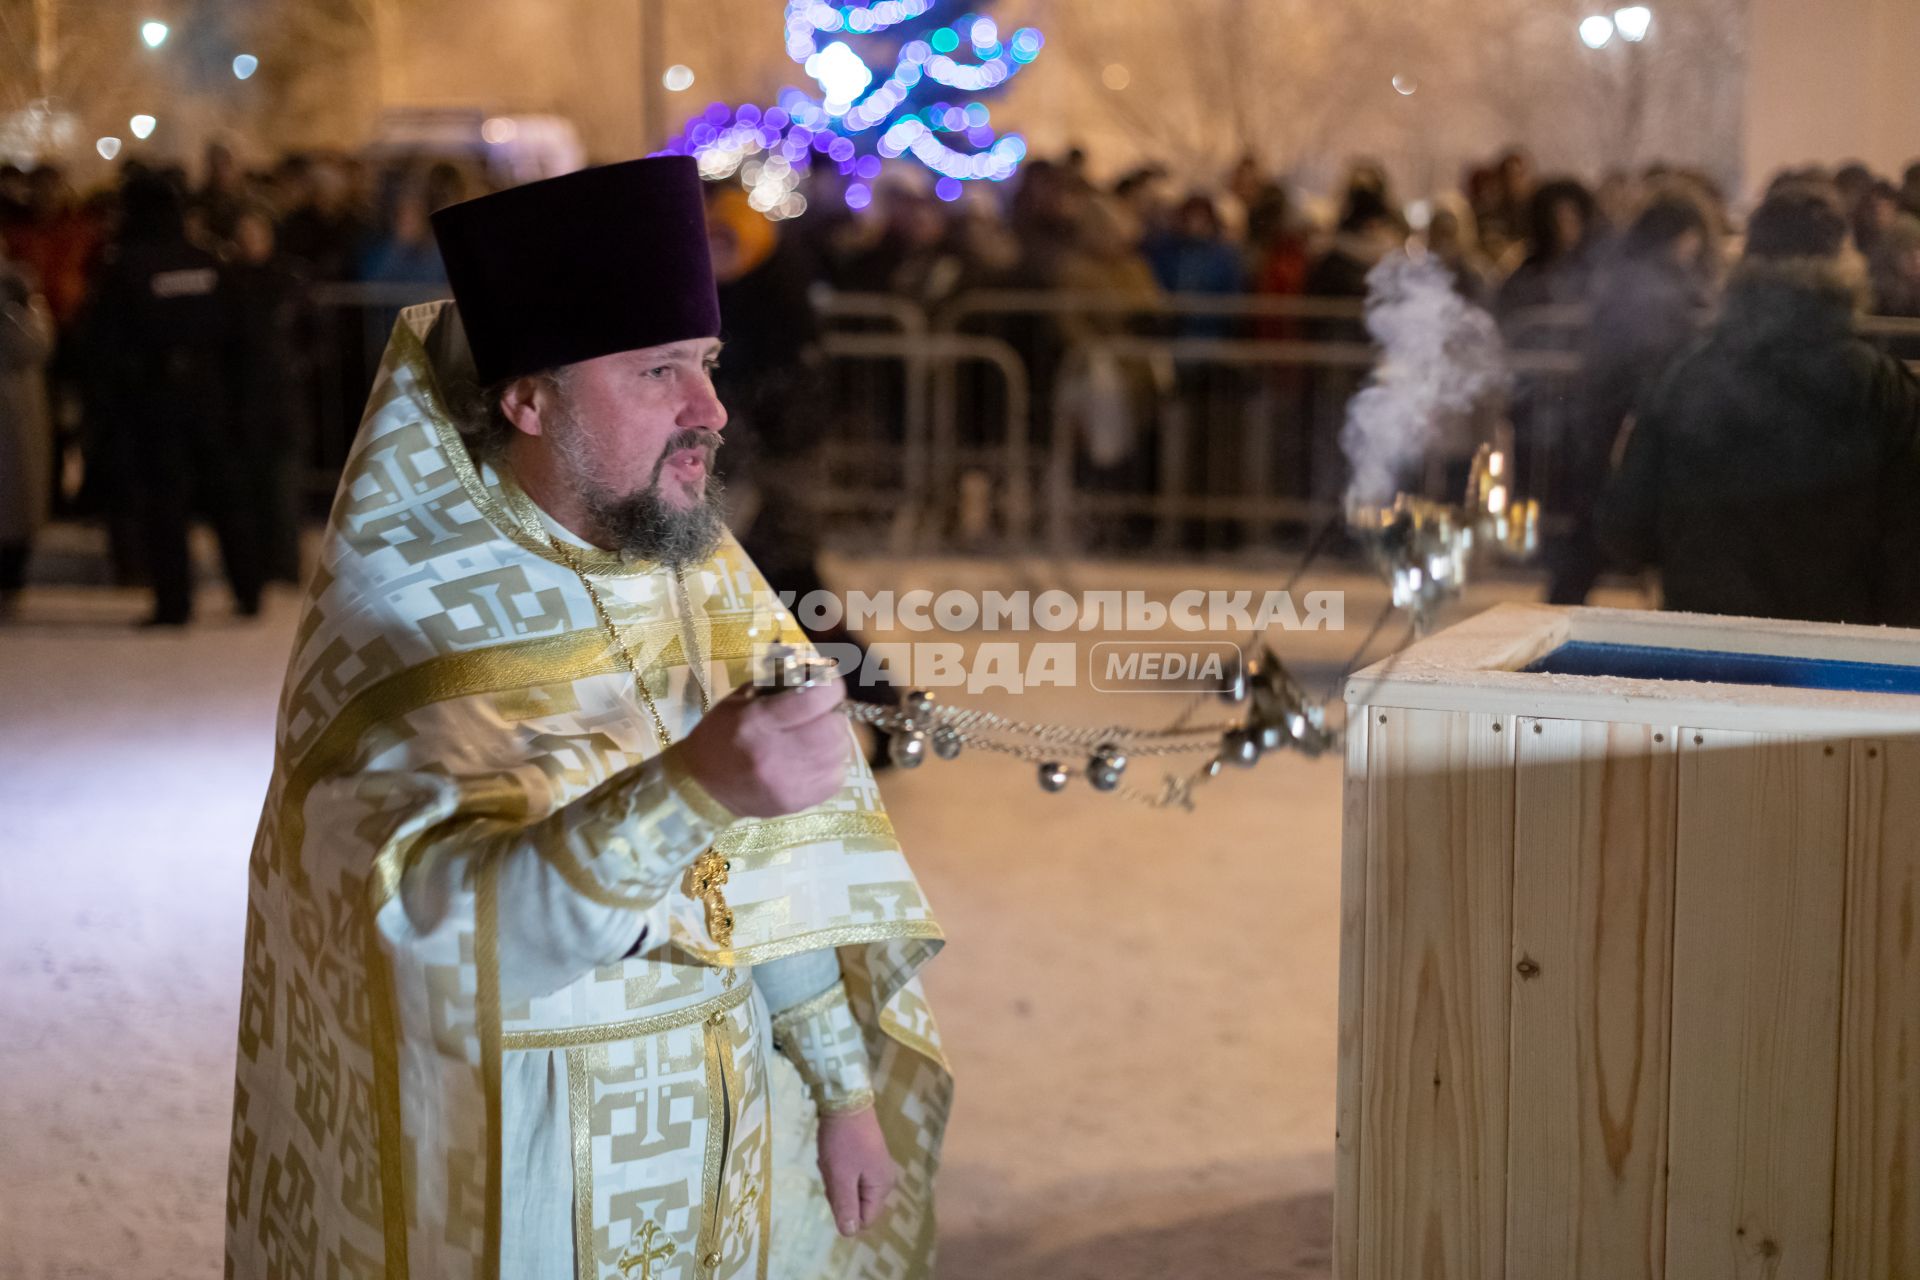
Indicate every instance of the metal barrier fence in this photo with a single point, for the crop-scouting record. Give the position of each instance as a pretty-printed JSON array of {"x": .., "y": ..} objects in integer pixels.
[
  {"x": 1107, "y": 421},
  {"x": 1182, "y": 422}
]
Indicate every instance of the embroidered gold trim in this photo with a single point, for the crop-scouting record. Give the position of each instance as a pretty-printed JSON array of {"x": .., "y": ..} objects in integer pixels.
[
  {"x": 832, "y": 997},
  {"x": 918, "y": 1044},
  {"x": 706, "y": 1243},
  {"x": 736, "y": 1105},
  {"x": 765, "y": 1206},
  {"x": 746, "y": 838},
  {"x": 849, "y": 935},
  {"x": 586, "y": 1264},
  {"x": 486, "y": 1008},
  {"x": 631, "y": 1029},
  {"x": 389, "y": 1134},
  {"x": 858, "y": 1100}
]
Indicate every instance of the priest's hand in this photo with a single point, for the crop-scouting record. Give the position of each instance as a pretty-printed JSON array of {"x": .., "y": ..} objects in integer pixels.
[
  {"x": 856, "y": 1168},
  {"x": 769, "y": 755}
]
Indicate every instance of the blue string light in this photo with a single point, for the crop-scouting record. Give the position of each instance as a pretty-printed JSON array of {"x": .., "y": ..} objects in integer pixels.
[{"x": 859, "y": 117}]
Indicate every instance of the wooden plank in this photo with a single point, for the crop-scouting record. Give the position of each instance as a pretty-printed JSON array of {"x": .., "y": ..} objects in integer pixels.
[
  {"x": 1432, "y": 1151},
  {"x": 1756, "y": 1005},
  {"x": 1876, "y": 1192},
  {"x": 1592, "y": 916},
  {"x": 1353, "y": 941}
]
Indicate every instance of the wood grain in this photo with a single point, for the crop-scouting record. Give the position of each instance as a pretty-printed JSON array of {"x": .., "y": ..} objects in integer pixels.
[
  {"x": 1592, "y": 918},
  {"x": 1353, "y": 941},
  {"x": 1432, "y": 1197},
  {"x": 1876, "y": 1193},
  {"x": 1756, "y": 1005}
]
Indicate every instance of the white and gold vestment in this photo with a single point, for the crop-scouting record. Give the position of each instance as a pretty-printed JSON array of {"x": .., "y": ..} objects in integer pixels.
[{"x": 450, "y": 1065}]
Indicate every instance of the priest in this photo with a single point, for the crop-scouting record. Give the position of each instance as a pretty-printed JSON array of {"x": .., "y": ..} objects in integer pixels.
[{"x": 569, "y": 953}]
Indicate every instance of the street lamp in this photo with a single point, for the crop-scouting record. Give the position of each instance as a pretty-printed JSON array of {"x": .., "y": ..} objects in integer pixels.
[
  {"x": 154, "y": 33},
  {"x": 1627, "y": 69},
  {"x": 1633, "y": 22}
]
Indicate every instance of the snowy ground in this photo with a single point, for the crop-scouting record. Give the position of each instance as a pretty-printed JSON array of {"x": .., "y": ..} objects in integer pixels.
[{"x": 1139, "y": 1005}]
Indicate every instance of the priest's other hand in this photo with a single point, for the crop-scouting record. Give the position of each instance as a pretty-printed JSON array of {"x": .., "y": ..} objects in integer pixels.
[
  {"x": 768, "y": 755},
  {"x": 856, "y": 1168}
]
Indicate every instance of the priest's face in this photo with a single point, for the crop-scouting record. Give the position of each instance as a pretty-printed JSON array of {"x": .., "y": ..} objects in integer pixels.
[{"x": 627, "y": 444}]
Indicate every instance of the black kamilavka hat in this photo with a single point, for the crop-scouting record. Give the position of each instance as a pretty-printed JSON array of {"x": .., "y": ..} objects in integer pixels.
[{"x": 584, "y": 265}]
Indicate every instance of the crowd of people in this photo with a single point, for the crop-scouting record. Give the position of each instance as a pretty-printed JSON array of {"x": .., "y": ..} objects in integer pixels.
[
  {"x": 159, "y": 349},
  {"x": 159, "y": 354}
]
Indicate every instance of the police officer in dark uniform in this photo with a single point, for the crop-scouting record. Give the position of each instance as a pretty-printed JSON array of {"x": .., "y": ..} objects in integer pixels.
[{"x": 164, "y": 331}]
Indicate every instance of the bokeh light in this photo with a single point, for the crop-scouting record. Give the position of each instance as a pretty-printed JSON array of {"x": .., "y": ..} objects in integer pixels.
[
  {"x": 1633, "y": 22},
  {"x": 869, "y": 112}
]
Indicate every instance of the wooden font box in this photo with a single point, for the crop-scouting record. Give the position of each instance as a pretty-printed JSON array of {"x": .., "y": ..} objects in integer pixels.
[{"x": 1630, "y": 962}]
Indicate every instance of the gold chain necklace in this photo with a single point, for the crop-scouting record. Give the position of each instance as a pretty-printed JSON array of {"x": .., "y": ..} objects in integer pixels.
[{"x": 706, "y": 878}]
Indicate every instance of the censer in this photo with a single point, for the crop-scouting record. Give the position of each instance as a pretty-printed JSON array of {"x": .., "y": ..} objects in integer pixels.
[{"x": 1426, "y": 549}]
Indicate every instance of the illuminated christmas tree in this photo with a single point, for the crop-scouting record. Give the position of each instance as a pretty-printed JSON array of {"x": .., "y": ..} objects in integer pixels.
[{"x": 896, "y": 80}]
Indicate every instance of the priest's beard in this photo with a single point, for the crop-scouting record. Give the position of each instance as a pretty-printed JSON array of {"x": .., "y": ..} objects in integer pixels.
[{"x": 642, "y": 524}]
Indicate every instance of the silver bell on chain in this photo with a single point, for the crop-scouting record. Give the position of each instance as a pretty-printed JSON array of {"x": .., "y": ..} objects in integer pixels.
[
  {"x": 910, "y": 749},
  {"x": 1105, "y": 766},
  {"x": 1241, "y": 748},
  {"x": 1053, "y": 776}
]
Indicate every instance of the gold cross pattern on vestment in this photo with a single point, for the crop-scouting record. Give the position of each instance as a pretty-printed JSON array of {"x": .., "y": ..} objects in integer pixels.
[{"x": 639, "y": 1265}]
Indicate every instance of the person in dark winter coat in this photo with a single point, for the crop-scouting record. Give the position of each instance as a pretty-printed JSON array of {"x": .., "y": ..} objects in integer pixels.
[
  {"x": 268, "y": 365},
  {"x": 1560, "y": 236},
  {"x": 1775, "y": 469},
  {"x": 164, "y": 335},
  {"x": 1195, "y": 257},
  {"x": 1369, "y": 230},
  {"x": 1648, "y": 299},
  {"x": 26, "y": 435},
  {"x": 1532, "y": 306}
]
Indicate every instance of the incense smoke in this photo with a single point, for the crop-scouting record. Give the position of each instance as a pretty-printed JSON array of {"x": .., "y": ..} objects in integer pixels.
[{"x": 1441, "y": 361}]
